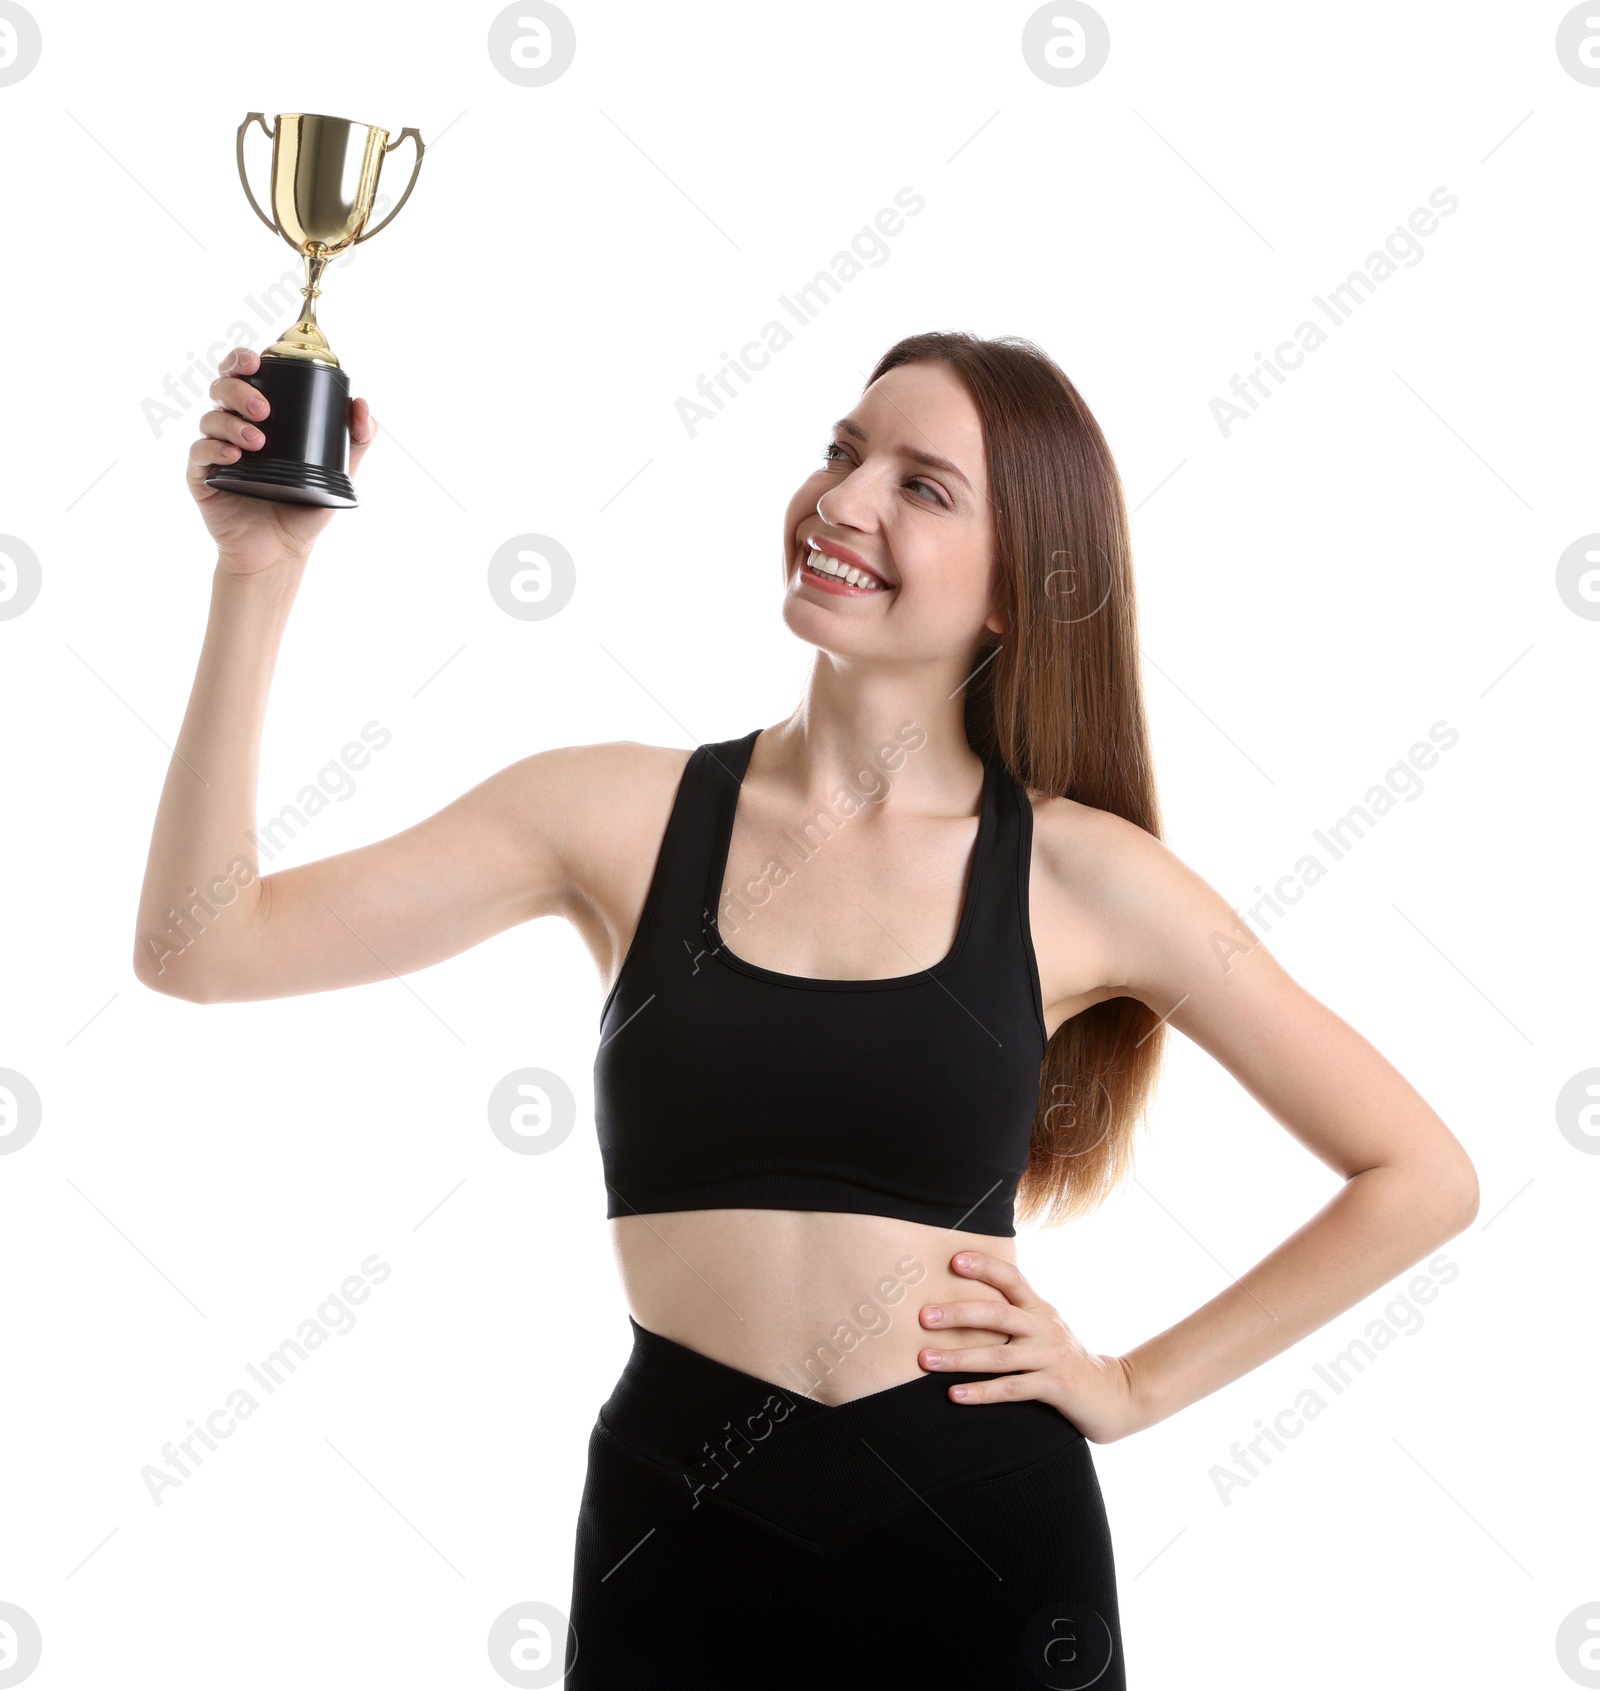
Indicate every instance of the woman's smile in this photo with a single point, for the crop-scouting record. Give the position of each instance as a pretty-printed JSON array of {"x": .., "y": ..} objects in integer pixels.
[{"x": 821, "y": 568}]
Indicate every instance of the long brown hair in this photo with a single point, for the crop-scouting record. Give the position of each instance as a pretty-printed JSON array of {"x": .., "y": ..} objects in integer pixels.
[{"x": 1057, "y": 700}]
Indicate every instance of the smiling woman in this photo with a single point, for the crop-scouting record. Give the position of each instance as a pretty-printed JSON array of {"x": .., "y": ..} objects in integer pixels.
[{"x": 949, "y": 1023}]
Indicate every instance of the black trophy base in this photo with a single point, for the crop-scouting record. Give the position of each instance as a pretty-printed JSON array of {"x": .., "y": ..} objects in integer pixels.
[{"x": 308, "y": 438}]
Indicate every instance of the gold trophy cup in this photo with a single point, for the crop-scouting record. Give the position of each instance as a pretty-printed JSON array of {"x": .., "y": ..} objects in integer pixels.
[{"x": 324, "y": 180}]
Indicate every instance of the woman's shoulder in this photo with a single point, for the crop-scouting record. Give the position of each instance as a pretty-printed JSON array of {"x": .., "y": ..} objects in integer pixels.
[
  {"x": 1096, "y": 871},
  {"x": 1080, "y": 841},
  {"x": 599, "y": 787},
  {"x": 604, "y": 764}
]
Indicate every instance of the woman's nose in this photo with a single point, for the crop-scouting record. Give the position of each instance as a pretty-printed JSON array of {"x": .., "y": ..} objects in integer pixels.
[{"x": 847, "y": 504}]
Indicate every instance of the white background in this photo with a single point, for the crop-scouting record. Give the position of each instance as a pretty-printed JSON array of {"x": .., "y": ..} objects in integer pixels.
[{"x": 1372, "y": 552}]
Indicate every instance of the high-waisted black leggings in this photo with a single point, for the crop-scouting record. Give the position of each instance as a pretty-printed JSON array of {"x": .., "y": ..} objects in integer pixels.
[{"x": 733, "y": 1534}]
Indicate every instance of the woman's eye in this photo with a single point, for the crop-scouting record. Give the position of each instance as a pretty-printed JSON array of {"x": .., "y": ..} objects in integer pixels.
[{"x": 915, "y": 481}]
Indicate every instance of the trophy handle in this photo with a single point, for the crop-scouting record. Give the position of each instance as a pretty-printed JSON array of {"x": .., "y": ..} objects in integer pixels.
[
  {"x": 415, "y": 169},
  {"x": 249, "y": 193}
]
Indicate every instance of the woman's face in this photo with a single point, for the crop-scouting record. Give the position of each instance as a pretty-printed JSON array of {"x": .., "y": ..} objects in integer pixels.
[{"x": 901, "y": 491}]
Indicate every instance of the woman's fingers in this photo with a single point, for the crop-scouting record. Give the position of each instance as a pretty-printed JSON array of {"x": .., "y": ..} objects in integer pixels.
[
  {"x": 363, "y": 431},
  {"x": 1004, "y": 1388},
  {"x": 239, "y": 396},
  {"x": 205, "y": 452},
  {"x": 240, "y": 407},
  {"x": 997, "y": 1272},
  {"x": 228, "y": 425},
  {"x": 231, "y": 390},
  {"x": 981, "y": 1359},
  {"x": 240, "y": 361},
  {"x": 988, "y": 1313}
]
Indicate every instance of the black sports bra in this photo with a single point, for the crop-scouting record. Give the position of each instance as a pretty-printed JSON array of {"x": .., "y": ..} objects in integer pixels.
[{"x": 722, "y": 1085}]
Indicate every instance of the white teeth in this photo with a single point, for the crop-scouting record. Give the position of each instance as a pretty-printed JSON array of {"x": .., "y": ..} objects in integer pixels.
[{"x": 825, "y": 565}]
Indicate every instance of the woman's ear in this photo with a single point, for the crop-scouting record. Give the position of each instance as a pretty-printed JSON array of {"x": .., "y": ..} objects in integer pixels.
[{"x": 998, "y": 620}]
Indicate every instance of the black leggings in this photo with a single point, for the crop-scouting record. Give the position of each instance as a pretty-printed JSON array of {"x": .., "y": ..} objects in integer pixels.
[{"x": 733, "y": 1534}]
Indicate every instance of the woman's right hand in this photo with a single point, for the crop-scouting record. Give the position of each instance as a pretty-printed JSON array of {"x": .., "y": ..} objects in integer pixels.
[{"x": 252, "y": 535}]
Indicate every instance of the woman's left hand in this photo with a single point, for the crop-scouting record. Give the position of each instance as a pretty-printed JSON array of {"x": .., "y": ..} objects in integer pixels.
[{"x": 1095, "y": 1393}]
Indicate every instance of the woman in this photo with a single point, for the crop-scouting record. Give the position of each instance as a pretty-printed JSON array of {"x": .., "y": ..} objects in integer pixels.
[{"x": 873, "y": 973}]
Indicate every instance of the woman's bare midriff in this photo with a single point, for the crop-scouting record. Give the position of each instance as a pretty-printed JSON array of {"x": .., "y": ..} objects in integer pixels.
[{"x": 826, "y": 1305}]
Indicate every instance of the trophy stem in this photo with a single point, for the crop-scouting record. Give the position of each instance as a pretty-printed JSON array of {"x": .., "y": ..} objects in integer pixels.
[
  {"x": 316, "y": 263},
  {"x": 306, "y": 339}
]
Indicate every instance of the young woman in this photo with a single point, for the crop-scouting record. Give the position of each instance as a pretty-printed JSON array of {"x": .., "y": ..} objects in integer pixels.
[{"x": 884, "y": 977}]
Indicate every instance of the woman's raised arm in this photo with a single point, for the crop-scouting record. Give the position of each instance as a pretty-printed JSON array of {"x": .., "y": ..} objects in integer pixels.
[{"x": 210, "y": 927}]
